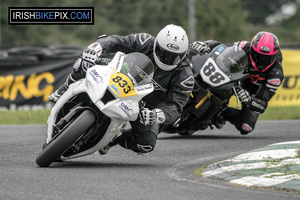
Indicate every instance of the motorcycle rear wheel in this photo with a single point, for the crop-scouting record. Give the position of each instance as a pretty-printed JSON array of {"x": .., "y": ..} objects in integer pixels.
[{"x": 66, "y": 139}]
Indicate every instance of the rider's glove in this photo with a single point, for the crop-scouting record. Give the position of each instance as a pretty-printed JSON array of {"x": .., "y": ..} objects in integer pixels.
[
  {"x": 244, "y": 96},
  {"x": 150, "y": 117},
  {"x": 200, "y": 47},
  {"x": 91, "y": 54}
]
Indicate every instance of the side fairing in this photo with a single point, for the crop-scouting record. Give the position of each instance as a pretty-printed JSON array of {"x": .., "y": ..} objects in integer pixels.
[
  {"x": 96, "y": 81},
  {"x": 99, "y": 76},
  {"x": 121, "y": 109}
]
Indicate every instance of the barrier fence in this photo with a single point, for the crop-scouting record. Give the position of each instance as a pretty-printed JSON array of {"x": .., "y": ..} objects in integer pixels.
[{"x": 28, "y": 75}]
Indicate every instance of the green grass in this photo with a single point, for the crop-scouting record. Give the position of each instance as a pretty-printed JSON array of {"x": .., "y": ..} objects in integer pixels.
[
  {"x": 278, "y": 113},
  {"x": 41, "y": 116},
  {"x": 199, "y": 171},
  {"x": 24, "y": 117}
]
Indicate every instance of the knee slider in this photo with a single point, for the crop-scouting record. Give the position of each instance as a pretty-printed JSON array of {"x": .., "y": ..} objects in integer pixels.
[
  {"x": 146, "y": 144},
  {"x": 247, "y": 128},
  {"x": 145, "y": 148}
]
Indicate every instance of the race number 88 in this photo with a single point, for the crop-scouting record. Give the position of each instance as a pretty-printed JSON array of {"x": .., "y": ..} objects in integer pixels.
[{"x": 214, "y": 77}]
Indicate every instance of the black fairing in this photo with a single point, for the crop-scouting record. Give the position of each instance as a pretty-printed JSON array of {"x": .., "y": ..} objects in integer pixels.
[
  {"x": 216, "y": 73},
  {"x": 229, "y": 60}
]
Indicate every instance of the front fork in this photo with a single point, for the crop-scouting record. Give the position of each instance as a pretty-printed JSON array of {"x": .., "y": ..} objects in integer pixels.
[
  {"x": 66, "y": 119},
  {"x": 62, "y": 123}
]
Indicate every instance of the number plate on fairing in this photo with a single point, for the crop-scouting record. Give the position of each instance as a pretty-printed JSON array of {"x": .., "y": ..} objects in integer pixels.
[
  {"x": 212, "y": 75},
  {"x": 121, "y": 85}
]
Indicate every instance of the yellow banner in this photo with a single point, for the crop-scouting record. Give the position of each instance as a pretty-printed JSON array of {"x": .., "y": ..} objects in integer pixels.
[{"x": 288, "y": 93}]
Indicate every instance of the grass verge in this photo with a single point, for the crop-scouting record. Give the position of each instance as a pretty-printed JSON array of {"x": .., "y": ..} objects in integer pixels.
[
  {"x": 24, "y": 117},
  {"x": 278, "y": 113}
]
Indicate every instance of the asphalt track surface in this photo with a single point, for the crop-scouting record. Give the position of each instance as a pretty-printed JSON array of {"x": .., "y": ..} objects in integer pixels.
[{"x": 166, "y": 173}]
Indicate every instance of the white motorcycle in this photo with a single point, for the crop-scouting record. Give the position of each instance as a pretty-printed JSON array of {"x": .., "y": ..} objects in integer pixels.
[{"x": 92, "y": 112}]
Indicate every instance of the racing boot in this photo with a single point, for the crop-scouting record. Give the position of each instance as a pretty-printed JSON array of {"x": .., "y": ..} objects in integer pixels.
[
  {"x": 127, "y": 140},
  {"x": 106, "y": 148},
  {"x": 74, "y": 76},
  {"x": 219, "y": 121},
  {"x": 57, "y": 94},
  {"x": 232, "y": 115},
  {"x": 136, "y": 141}
]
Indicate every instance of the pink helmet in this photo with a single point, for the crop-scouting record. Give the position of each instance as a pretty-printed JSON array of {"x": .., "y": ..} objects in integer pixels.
[{"x": 264, "y": 47}]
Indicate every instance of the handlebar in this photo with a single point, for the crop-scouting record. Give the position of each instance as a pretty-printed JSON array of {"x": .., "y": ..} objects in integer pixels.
[{"x": 102, "y": 61}]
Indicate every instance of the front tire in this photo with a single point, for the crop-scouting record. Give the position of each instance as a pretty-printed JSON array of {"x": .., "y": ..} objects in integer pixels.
[{"x": 66, "y": 139}]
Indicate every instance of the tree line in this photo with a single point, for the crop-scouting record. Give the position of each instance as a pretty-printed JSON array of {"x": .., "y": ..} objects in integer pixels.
[{"x": 230, "y": 20}]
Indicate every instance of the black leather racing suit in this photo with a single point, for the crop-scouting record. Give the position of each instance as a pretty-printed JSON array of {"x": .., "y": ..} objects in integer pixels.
[
  {"x": 261, "y": 85},
  {"x": 172, "y": 88}
]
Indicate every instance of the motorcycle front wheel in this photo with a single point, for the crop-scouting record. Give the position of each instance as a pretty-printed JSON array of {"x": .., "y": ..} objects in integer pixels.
[{"x": 66, "y": 139}]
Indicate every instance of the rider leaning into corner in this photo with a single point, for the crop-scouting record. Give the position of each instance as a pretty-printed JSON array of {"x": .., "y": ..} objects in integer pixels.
[
  {"x": 173, "y": 80},
  {"x": 265, "y": 77}
]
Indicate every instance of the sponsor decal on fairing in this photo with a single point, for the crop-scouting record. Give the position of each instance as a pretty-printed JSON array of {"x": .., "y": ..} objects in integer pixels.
[
  {"x": 127, "y": 110},
  {"x": 97, "y": 78}
]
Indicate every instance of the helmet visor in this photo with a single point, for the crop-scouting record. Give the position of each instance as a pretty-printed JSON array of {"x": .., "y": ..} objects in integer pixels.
[
  {"x": 261, "y": 60},
  {"x": 168, "y": 57}
]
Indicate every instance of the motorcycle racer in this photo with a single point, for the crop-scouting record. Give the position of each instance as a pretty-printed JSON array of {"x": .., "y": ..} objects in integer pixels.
[
  {"x": 173, "y": 80},
  {"x": 265, "y": 77}
]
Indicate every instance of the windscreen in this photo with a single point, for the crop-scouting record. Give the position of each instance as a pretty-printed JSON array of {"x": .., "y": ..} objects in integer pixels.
[
  {"x": 232, "y": 60},
  {"x": 138, "y": 67}
]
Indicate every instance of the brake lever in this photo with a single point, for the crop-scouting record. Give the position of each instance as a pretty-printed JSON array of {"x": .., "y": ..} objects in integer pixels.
[
  {"x": 237, "y": 98},
  {"x": 235, "y": 88},
  {"x": 101, "y": 61}
]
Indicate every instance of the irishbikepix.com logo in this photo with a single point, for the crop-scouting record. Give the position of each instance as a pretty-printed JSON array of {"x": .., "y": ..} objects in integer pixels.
[{"x": 51, "y": 15}]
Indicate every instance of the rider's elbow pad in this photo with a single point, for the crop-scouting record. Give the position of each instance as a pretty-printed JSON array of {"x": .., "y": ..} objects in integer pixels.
[{"x": 77, "y": 64}]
